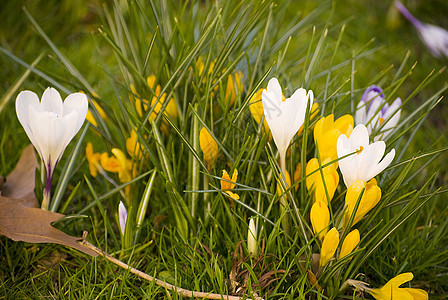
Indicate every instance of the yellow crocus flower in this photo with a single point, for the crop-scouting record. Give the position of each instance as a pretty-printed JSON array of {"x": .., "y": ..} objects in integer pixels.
[
  {"x": 133, "y": 147},
  {"x": 227, "y": 186},
  {"x": 234, "y": 88},
  {"x": 208, "y": 146},
  {"x": 329, "y": 246},
  {"x": 350, "y": 243},
  {"x": 143, "y": 105},
  {"x": 320, "y": 219},
  {"x": 256, "y": 110},
  {"x": 327, "y": 132},
  {"x": 124, "y": 172},
  {"x": 93, "y": 159},
  {"x": 117, "y": 164},
  {"x": 391, "y": 290},
  {"x": 370, "y": 198},
  {"x": 314, "y": 181}
]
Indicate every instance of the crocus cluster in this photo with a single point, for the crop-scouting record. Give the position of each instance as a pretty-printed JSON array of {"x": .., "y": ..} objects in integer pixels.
[{"x": 338, "y": 145}]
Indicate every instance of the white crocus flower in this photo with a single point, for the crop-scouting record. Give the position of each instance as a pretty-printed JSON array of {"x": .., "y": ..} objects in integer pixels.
[
  {"x": 122, "y": 216},
  {"x": 376, "y": 114},
  {"x": 284, "y": 117},
  {"x": 434, "y": 37},
  {"x": 252, "y": 238},
  {"x": 50, "y": 125},
  {"x": 365, "y": 162}
]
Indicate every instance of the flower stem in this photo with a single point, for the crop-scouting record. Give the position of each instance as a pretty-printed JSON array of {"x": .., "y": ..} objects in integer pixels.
[
  {"x": 283, "y": 200},
  {"x": 47, "y": 190}
]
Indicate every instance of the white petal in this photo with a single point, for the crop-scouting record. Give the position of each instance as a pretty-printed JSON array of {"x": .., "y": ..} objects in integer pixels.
[
  {"x": 382, "y": 165},
  {"x": 122, "y": 216},
  {"x": 77, "y": 102},
  {"x": 348, "y": 165},
  {"x": 360, "y": 115},
  {"x": 359, "y": 137},
  {"x": 275, "y": 89},
  {"x": 70, "y": 129},
  {"x": 25, "y": 100},
  {"x": 363, "y": 159},
  {"x": 52, "y": 101},
  {"x": 376, "y": 152}
]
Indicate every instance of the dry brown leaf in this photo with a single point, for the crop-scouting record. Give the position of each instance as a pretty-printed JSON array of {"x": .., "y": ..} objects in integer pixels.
[
  {"x": 19, "y": 184},
  {"x": 33, "y": 225}
]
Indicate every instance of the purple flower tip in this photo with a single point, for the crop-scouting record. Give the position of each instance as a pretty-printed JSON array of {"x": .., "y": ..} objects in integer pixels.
[{"x": 372, "y": 92}]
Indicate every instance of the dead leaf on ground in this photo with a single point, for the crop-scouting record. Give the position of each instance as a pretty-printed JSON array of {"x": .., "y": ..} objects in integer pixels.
[
  {"x": 20, "y": 183},
  {"x": 33, "y": 225}
]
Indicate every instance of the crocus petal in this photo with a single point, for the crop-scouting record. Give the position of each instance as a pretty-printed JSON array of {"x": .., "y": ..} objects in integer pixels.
[
  {"x": 77, "y": 102},
  {"x": 417, "y": 294},
  {"x": 275, "y": 89},
  {"x": 376, "y": 152},
  {"x": 361, "y": 113},
  {"x": 382, "y": 165},
  {"x": 365, "y": 164},
  {"x": 122, "y": 216},
  {"x": 52, "y": 102},
  {"x": 391, "y": 117},
  {"x": 359, "y": 137},
  {"x": 25, "y": 101}
]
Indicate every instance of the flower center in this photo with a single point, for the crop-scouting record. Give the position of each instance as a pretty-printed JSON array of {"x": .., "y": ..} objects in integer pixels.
[
  {"x": 381, "y": 121},
  {"x": 360, "y": 149}
]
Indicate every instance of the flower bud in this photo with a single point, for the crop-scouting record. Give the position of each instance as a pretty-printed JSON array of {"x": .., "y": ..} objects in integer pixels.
[
  {"x": 329, "y": 246},
  {"x": 350, "y": 243},
  {"x": 320, "y": 219},
  {"x": 208, "y": 146},
  {"x": 252, "y": 238}
]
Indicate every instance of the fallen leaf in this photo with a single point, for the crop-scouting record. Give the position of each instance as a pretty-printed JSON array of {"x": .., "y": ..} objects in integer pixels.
[
  {"x": 33, "y": 225},
  {"x": 19, "y": 184}
]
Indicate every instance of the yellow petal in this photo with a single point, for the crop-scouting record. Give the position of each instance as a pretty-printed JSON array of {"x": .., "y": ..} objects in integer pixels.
[
  {"x": 315, "y": 183},
  {"x": 133, "y": 147},
  {"x": 351, "y": 241},
  {"x": 208, "y": 146},
  {"x": 369, "y": 200},
  {"x": 417, "y": 294},
  {"x": 320, "y": 219},
  {"x": 151, "y": 80},
  {"x": 110, "y": 164},
  {"x": 124, "y": 173},
  {"x": 329, "y": 246},
  {"x": 93, "y": 159},
  {"x": 391, "y": 290}
]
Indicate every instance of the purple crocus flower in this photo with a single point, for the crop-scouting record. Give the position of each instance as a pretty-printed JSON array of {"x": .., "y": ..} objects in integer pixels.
[
  {"x": 122, "y": 216},
  {"x": 376, "y": 114},
  {"x": 434, "y": 37}
]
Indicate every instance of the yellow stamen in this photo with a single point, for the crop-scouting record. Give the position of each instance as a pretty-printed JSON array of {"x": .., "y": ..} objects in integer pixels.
[
  {"x": 360, "y": 149},
  {"x": 381, "y": 121}
]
